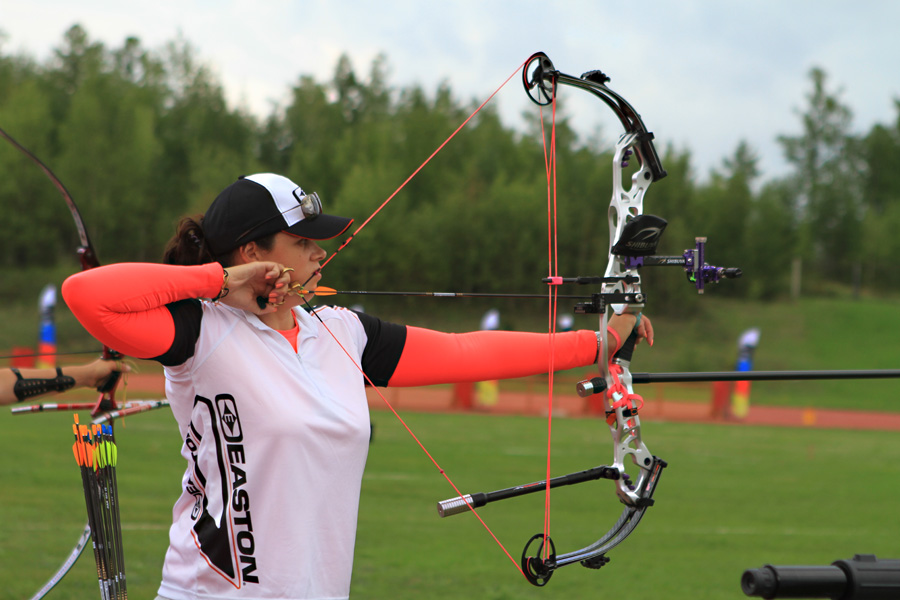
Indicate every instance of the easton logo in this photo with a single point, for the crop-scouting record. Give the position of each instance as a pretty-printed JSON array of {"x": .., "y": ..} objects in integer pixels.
[{"x": 231, "y": 425}]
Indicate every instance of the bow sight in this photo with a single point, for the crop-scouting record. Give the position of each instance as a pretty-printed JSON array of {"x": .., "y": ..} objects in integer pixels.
[{"x": 635, "y": 248}]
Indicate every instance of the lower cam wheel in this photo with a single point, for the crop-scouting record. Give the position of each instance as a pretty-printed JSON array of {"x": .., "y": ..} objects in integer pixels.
[{"x": 537, "y": 569}]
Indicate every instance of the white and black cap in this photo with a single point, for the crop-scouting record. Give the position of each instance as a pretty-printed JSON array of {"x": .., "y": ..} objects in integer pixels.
[{"x": 258, "y": 205}]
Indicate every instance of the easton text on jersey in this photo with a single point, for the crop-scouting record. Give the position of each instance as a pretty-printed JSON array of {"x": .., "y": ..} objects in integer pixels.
[{"x": 213, "y": 539}]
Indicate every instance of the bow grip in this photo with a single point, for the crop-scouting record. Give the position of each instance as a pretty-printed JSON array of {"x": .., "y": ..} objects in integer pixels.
[
  {"x": 597, "y": 385},
  {"x": 109, "y": 383},
  {"x": 627, "y": 350}
]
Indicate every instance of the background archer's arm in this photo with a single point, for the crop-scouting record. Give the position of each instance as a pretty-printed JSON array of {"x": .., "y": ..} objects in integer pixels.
[{"x": 90, "y": 374}]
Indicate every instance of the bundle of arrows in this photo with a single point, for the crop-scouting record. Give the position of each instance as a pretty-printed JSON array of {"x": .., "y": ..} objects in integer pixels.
[{"x": 95, "y": 452}]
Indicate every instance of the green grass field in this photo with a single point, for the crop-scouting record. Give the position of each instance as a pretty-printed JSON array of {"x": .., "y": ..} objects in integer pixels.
[{"x": 732, "y": 498}]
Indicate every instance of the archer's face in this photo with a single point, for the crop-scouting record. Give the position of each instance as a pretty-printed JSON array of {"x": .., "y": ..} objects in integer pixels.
[{"x": 303, "y": 255}]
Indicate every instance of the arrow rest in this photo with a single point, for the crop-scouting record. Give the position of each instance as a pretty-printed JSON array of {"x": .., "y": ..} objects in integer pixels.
[{"x": 601, "y": 300}]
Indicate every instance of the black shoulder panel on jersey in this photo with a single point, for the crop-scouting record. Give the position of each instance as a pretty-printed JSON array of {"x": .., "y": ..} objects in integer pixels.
[
  {"x": 187, "y": 315},
  {"x": 384, "y": 346}
]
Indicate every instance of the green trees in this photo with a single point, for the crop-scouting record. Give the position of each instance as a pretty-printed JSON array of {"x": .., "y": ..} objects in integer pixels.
[
  {"x": 827, "y": 179},
  {"x": 141, "y": 138},
  {"x": 881, "y": 193}
]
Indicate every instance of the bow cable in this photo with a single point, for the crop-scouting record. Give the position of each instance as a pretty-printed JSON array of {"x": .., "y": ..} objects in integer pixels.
[{"x": 552, "y": 295}]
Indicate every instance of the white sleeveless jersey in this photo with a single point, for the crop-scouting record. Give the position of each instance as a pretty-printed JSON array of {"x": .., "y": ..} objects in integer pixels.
[{"x": 275, "y": 442}]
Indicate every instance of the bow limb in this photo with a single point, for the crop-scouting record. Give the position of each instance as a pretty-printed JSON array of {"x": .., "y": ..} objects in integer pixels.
[{"x": 87, "y": 257}]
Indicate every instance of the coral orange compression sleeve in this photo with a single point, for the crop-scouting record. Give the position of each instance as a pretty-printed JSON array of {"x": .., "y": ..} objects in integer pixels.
[
  {"x": 431, "y": 357},
  {"x": 124, "y": 305}
]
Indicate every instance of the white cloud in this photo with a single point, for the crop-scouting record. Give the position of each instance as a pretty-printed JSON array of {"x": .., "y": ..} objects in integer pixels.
[{"x": 704, "y": 74}]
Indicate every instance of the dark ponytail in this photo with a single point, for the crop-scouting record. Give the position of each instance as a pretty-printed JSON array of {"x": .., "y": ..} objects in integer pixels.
[{"x": 188, "y": 245}]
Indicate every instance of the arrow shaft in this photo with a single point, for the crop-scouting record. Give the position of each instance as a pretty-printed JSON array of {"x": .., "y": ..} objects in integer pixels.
[
  {"x": 450, "y": 294},
  {"x": 763, "y": 376}
]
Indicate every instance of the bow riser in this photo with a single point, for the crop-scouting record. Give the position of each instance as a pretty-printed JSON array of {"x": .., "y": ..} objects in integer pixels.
[{"x": 624, "y": 206}]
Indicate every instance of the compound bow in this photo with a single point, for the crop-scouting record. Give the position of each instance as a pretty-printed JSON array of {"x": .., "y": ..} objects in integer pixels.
[{"x": 634, "y": 237}]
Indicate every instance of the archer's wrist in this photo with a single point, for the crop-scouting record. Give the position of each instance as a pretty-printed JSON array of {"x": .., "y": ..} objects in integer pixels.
[
  {"x": 84, "y": 375},
  {"x": 215, "y": 282}
]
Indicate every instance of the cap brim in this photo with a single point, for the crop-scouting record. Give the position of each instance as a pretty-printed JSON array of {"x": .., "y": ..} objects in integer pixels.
[{"x": 321, "y": 227}]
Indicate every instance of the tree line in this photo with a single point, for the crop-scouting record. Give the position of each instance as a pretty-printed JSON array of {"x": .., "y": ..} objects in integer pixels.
[{"x": 143, "y": 137}]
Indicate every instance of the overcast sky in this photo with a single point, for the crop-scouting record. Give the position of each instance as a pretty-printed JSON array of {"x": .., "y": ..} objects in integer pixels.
[{"x": 704, "y": 74}]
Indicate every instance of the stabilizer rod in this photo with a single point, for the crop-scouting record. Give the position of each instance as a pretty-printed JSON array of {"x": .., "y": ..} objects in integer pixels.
[
  {"x": 764, "y": 375},
  {"x": 454, "y": 506},
  {"x": 595, "y": 385}
]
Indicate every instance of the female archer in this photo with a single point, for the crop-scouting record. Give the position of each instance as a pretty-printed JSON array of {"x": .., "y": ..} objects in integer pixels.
[{"x": 269, "y": 396}]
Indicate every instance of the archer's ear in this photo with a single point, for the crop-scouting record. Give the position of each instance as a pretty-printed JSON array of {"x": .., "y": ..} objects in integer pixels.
[{"x": 249, "y": 252}]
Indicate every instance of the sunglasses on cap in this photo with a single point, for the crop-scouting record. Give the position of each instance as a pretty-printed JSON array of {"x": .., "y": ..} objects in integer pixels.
[{"x": 310, "y": 205}]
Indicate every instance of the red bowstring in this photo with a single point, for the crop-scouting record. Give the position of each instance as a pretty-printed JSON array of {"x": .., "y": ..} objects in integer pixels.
[
  {"x": 553, "y": 268},
  {"x": 421, "y": 445},
  {"x": 420, "y": 167},
  {"x": 356, "y": 364}
]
